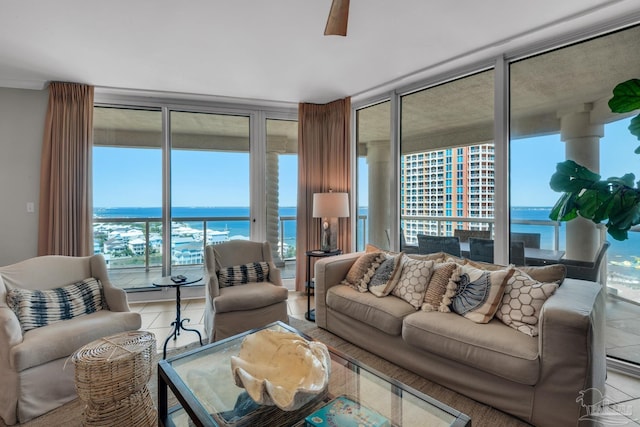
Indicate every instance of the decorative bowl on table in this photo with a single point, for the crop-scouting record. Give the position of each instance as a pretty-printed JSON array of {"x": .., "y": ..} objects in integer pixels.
[{"x": 281, "y": 368}]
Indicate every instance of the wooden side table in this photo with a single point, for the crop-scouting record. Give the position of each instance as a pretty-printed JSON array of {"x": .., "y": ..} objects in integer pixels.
[
  {"x": 166, "y": 282},
  {"x": 310, "y": 284}
]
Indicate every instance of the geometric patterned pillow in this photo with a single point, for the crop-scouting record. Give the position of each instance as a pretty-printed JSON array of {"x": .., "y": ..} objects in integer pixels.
[
  {"x": 413, "y": 281},
  {"x": 36, "y": 308},
  {"x": 479, "y": 292},
  {"x": 242, "y": 274},
  {"x": 522, "y": 301}
]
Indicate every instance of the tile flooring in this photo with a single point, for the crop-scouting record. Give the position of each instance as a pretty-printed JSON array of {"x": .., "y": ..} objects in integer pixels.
[
  {"x": 157, "y": 317},
  {"x": 623, "y": 391}
]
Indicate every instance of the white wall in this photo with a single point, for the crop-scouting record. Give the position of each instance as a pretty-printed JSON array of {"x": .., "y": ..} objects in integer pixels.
[{"x": 22, "y": 114}]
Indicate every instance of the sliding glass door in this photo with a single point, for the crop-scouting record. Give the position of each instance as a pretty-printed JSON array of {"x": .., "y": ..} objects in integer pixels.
[
  {"x": 169, "y": 181},
  {"x": 210, "y": 175}
]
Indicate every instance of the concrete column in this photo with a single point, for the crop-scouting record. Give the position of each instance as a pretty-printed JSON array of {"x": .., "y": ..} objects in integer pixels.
[
  {"x": 379, "y": 221},
  {"x": 272, "y": 199},
  {"x": 582, "y": 140}
]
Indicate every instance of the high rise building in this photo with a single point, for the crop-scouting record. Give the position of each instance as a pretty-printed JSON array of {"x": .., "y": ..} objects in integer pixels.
[{"x": 443, "y": 190}]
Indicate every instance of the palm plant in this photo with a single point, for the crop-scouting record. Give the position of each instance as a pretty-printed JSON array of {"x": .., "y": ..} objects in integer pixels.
[{"x": 615, "y": 200}]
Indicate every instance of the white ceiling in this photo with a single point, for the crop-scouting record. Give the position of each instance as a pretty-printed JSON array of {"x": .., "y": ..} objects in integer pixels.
[{"x": 272, "y": 49}]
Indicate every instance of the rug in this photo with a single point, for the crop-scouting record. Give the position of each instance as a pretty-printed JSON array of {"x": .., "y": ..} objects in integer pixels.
[{"x": 481, "y": 415}]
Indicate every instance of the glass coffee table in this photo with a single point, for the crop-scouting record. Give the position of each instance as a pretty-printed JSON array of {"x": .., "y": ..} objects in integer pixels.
[{"x": 202, "y": 382}]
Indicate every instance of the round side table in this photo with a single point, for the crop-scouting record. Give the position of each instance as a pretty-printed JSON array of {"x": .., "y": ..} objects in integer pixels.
[
  {"x": 111, "y": 376},
  {"x": 166, "y": 282}
]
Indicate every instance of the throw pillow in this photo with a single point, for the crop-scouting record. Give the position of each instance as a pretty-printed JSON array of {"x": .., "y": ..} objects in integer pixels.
[
  {"x": 242, "y": 274},
  {"x": 441, "y": 288},
  {"x": 479, "y": 292},
  {"x": 413, "y": 281},
  {"x": 36, "y": 308},
  {"x": 386, "y": 276},
  {"x": 362, "y": 270},
  {"x": 522, "y": 301}
]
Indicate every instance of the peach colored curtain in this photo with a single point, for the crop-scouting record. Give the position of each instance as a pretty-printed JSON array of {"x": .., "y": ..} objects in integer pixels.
[
  {"x": 324, "y": 163},
  {"x": 65, "y": 221}
]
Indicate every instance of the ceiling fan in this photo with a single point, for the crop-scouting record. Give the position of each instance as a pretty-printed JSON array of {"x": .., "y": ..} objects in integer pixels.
[{"x": 338, "y": 18}]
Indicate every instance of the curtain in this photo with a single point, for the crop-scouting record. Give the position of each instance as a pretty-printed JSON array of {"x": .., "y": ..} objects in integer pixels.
[
  {"x": 65, "y": 221},
  {"x": 324, "y": 163}
]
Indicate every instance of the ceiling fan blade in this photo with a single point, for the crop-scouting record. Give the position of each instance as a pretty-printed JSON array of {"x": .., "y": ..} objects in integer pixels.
[{"x": 338, "y": 18}]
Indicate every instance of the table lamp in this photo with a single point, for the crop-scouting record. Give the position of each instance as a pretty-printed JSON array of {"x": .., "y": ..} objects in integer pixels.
[{"x": 330, "y": 206}]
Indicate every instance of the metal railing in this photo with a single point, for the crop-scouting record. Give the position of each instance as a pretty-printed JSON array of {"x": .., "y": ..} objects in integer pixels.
[
  {"x": 146, "y": 222},
  {"x": 488, "y": 222}
]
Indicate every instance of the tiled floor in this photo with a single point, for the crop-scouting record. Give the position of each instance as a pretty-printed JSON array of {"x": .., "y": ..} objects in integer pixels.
[
  {"x": 157, "y": 317},
  {"x": 622, "y": 391}
]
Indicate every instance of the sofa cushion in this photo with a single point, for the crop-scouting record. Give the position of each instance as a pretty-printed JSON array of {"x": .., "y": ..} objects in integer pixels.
[
  {"x": 37, "y": 308},
  {"x": 362, "y": 270},
  {"x": 413, "y": 281},
  {"x": 61, "y": 339},
  {"x": 492, "y": 347},
  {"x": 522, "y": 302},
  {"x": 384, "y": 313},
  {"x": 243, "y": 274},
  {"x": 249, "y": 297},
  {"x": 479, "y": 292},
  {"x": 386, "y": 275}
]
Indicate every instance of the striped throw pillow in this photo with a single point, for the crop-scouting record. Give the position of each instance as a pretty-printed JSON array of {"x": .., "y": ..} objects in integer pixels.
[
  {"x": 241, "y": 274},
  {"x": 36, "y": 308}
]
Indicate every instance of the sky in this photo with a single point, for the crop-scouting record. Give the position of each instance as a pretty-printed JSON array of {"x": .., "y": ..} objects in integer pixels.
[
  {"x": 533, "y": 161},
  {"x": 132, "y": 177}
]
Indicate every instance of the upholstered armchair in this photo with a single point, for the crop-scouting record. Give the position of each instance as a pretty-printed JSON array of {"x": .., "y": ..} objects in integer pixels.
[
  {"x": 244, "y": 288},
  {"x": 40, "y": 330}
]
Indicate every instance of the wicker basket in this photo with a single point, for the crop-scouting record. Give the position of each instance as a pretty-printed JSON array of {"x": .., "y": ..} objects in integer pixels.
[
  {"x": 112, "y": 368},
  {"x": 111, "y": 378},
  {"x": 136, "y": 410}
]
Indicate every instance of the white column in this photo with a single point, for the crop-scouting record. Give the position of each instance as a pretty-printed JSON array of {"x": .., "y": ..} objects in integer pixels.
[
  {"x": 378, "y": 224},
  {"x": 582, "y": 140},
  {"x": 273, "y": 197}
]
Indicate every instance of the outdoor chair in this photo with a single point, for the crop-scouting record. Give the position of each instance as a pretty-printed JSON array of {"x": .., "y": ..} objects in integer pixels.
[
  {"x": 586, "y": 270},
  {"x": 464, "y": 235},
  {"x": 531, "y": 240},
  {"x": 244, "y": 289},
  {"x": 482, "y": 250},
  {"x": 431, "y": 244}
]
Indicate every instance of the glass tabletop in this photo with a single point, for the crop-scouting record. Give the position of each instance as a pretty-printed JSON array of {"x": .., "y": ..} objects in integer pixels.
[{"x": 203, "y": 383}]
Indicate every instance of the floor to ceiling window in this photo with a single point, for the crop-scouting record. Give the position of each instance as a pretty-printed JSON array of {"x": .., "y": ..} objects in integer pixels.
[
  {"x": 447, "y": 158},
  {"x": 127, "y": 187},
  {"x": 374, "y": 172},
  {"x": 559, "y": 111},
  {"x": 209, "y": 182},
  {"x": 198, "y": 172}
]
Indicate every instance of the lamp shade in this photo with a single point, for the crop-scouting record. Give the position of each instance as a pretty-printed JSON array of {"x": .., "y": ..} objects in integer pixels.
[{"x": 330, "y": 205}]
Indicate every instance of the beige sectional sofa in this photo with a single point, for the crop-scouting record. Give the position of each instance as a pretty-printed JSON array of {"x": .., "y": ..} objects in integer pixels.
[
  {"x": 35, "y": 373},
  {"x": 537, "y": 379}
]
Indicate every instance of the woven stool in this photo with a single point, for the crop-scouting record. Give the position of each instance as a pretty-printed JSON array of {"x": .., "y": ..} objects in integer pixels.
[{"x": 111, "y": 376}]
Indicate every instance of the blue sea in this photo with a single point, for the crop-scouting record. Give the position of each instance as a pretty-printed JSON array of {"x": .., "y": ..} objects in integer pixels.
[{"x": 627, "y": 250}]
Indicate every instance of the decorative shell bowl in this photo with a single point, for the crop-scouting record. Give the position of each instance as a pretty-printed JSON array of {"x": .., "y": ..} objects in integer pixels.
[{"x": 281, "y": 368}]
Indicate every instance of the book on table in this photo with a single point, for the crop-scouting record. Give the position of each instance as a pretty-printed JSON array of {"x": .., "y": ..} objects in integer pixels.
[{"x": 345, "y": 412}]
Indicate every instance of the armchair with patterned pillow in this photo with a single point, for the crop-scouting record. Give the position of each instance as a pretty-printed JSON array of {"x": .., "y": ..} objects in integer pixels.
[
  {"x": 244, "y": 289},
  {"x": 50, "y": 306}
]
